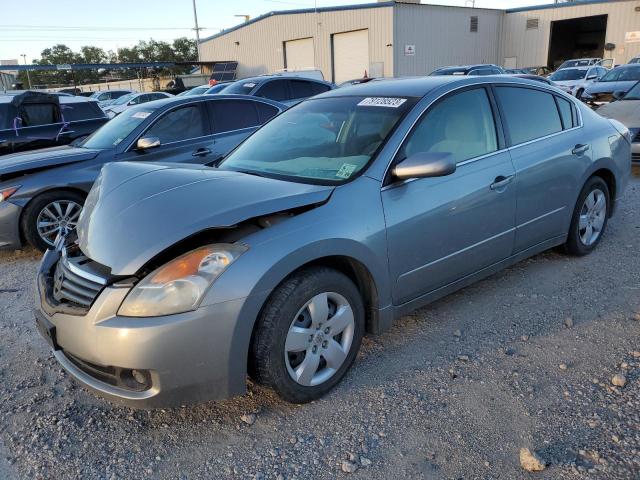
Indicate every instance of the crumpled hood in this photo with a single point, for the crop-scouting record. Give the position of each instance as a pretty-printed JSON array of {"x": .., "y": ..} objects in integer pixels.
[
  {"x": 137, "y": 210},
  {"x": 46, "y": 157},
  {"x": 625, "y": 111}
]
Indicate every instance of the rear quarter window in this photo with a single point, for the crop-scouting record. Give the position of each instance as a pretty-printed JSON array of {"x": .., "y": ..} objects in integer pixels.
[
  {"x": 529, "y": 114},
  {"x": 81, "y": 111}
]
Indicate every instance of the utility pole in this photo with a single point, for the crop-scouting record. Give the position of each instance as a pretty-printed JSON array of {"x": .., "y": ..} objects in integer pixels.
[
  {"x": 24, "y": 57},
  {"x": 195, "y": 18}
]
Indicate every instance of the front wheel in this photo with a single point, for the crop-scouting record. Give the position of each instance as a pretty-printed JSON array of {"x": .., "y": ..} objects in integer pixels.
[
  {"x": 589, "y": 217},
  {"x": 308, "y": 335},
  {"x": 49, "y": 215},
  {"x": 579, "y": 94}
]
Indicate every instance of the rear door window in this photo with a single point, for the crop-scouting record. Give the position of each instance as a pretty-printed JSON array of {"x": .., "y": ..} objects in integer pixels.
[
  {"x": 180, "y": 124},
  {"x": 229, "y": 115},
  {"x": 529, "y": 113},
  {"x": 274, "y": 90}
]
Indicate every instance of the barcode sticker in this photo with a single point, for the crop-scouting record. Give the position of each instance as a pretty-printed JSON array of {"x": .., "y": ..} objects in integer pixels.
[{"x": 382, "y": 102}]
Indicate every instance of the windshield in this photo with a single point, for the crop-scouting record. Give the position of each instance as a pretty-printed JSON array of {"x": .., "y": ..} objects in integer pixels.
[
  {"x": 568, "y": 74},
  {"x": 124, "y": 99},
  {"x": 240, "y": 87},
  {"x": 577, "y": 63},
  {"x": 633, "y": 93},
  {"x": 622, "y": 74},
  {"x": 325, "y": 140},
  {"x": 117, "y": 129},
  {"x": 196, "y": 91}
]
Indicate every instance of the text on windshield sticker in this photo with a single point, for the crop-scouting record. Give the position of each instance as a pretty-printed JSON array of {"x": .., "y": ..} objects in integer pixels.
[
  {"x": 382, "y": 102},
  {"x": 141, "y": 115}
]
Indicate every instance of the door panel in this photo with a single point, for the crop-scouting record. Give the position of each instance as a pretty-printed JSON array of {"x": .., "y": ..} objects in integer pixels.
[{"x": 442, "y": 229}]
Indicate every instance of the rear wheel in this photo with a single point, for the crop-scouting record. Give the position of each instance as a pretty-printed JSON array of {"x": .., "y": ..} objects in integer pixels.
[
  {"x": 308, "y": 335},
  {"x": 579, "y": 94},
  {"x": 590, "y": 217},
  {"x": 49, "y": 215}
]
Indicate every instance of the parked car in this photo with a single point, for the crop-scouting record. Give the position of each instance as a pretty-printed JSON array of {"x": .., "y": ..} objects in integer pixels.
[
  {"x": 42, "y": 193},
  {"x": 127, "y": 101},
  {"x": 635, "y": 59},
  {"x": 31, "y": 120},
  {"x": 580, "y": 62},
  {"x": 285, "y": 89},
  {"x": 356, "y": 81},
  {"x": 516, "y": 71},
  {"x": 201, "y": 90},
  {"x": 575, "y": 80},
  {"x": 626, "y": 110},
  {"x": 217, "y": 88},
  {"x": 348, "y": 210},
  {"x": 105, "y": 97},
  {"x": 542, "y": 71},
  {"x": 481, "y": 69},
  {"x": 619, "y": 79}
]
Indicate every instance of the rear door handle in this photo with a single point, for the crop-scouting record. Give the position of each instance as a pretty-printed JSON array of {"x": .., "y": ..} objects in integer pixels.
[
  {"x": 580, "y": 149},
  {"x": 201, "y": 152},
  {"x": 501, "y": 182}
]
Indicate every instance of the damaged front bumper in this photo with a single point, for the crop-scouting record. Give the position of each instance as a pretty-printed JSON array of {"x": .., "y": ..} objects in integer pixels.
[{"x": 144, "y": 362}]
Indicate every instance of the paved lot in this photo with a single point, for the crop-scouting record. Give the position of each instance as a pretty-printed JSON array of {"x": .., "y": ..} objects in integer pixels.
[{"x": 453, "y": 391}]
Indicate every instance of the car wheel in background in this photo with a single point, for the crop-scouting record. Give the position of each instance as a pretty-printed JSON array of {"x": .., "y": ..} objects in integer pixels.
[
  {"x": 50, "y": 214},
  {"x": 579, "y": 94},
  {"x": 589, "y": 217},
  {"x": 308, "y": 334}
]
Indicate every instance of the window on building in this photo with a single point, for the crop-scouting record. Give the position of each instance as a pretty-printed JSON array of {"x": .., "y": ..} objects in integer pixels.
[
  {"x": 473, "y": 24},
  {"x": 533, "y": 23}
]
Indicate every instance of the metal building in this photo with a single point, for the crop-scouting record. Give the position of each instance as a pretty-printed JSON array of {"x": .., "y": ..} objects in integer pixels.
[{"x": 401, "y": 38}]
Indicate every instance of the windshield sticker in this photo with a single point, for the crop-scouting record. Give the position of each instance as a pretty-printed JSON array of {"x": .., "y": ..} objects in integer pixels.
[
  {"x": 346, "y": 170},
  {"x": 141, "y": 115},
  {"x": 249, "y": 85},
  {"x": 382, "y": 102}
]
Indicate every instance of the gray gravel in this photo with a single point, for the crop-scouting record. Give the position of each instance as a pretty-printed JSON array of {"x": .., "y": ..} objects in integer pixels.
[{"x": 452, "y": 391}]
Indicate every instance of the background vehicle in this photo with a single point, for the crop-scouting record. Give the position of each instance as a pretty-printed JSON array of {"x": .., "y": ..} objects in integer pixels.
[
  {"x": 635, "y": 59},
  {"x": 619, "y": 79},
  {"x": 575, "y": 80},
  {"x": 217, "y": 88},
  {"x": 106, "y": 96},
  {"x": 481, "y": 69},
  {"x": 43, "y": 192},
  {"x": 284, "y": 89},
  {"x": 194, "y": 91},
  {"x": 536, "y": 78},
  {"x": 626, "y": 110},
  {"x": 516, "y": 71},
  {"x": 343, "y": 213},
  {"x": 356, "y": 81},
  {"x": 542, "y": 70},
  {"x": 580, "y": 62},
  {"x": 126, "y": 101},
  {"x": 31, "y": 120}
]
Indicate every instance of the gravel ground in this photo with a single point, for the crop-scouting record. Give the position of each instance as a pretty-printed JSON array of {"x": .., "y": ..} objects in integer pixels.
[{"x": 524, "y": 359}]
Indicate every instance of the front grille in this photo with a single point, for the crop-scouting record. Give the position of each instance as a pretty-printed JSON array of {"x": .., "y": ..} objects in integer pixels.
[{"x": 75, "y": 282}]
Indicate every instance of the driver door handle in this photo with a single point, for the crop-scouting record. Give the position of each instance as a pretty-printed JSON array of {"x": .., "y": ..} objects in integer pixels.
[
  {"x": 501, "y": 182},
  {"x": 201, "y": 152},
  {"x": 580, "y": 149}
]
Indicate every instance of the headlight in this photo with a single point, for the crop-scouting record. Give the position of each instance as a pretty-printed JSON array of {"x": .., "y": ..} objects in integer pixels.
[
  {"x": 180, "y": 285},
  {"x": 7, "y": 192}
]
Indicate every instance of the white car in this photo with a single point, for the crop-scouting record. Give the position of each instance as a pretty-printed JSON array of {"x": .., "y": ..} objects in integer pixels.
[
  {"x": 575, "y": 80},
  {"x": 126, "y": 101}
]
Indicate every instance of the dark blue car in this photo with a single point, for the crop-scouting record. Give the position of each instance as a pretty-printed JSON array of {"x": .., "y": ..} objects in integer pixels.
[{"x": 43, "y": 192}]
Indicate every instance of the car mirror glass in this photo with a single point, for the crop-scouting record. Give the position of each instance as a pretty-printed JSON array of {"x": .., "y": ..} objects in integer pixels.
[
  {"x": 425, "y": 165},
  {"x": 145, "y": 143}
]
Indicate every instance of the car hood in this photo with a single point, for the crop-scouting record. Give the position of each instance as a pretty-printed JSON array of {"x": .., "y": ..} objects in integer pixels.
[
  {"x": 137, "y": 210},
  {"x": 44, "y": 158},
  {"x": 610, "y": 87},
  {"x": 625, "y": 111}
]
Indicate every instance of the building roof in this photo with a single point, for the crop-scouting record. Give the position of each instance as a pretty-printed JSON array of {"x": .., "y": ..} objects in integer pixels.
[{"x": 577, "y": 3}]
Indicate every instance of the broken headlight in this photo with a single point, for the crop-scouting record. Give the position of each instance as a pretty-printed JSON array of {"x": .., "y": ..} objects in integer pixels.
[{"x": 180, "y": 285}]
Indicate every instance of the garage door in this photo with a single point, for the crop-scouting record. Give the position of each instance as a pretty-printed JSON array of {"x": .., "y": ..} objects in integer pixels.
[
  {"x": 350, "y": 55},
  {"x": 299, "y": 54}
]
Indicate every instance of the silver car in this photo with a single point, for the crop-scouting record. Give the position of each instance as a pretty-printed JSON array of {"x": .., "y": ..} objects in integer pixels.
[
  {"x": 576, "y": 80},
  {"x": 329, "y": 222},
  {"x": 626, "y": 110}
]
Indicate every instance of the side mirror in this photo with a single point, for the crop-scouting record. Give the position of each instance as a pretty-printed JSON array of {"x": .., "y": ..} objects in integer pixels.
[
  {"x": 618, "y": 95},
  {"x": 146, "y": 143},
  {"x": 424, "y": 165},
  {"x": 592, "y": 77}
]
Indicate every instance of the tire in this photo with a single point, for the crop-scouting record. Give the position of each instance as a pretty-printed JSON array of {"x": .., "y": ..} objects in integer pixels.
[
  {"x": 290, "y": 342},
  {"x": 587, "y": 219},
  {"x": 36, "y": 211},
  {"x": 579, "y": 94}
]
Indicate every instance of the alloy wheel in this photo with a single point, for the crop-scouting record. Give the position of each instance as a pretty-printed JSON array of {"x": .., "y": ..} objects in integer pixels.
[
  {"x": 592, "y": 217},
  {"x": 56, "y": 218},
  {"x": 319, "y": 339}
]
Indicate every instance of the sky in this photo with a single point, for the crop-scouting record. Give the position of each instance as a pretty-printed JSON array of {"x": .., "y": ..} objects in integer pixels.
[{"x": 34, "y": 25}]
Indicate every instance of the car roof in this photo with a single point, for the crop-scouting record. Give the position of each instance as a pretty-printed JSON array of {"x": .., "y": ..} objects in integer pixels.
[
  {"x": 6, "y": 97},
  {"x": 421, "y": 86}
]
